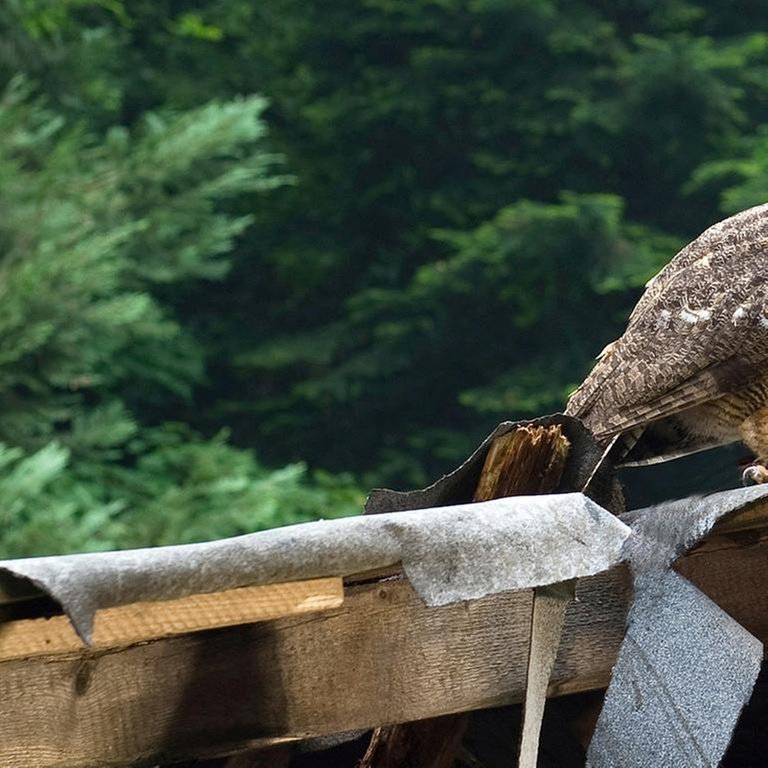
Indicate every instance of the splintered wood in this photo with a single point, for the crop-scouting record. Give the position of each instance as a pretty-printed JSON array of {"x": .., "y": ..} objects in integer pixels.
[{"x": 525, "y": 461}]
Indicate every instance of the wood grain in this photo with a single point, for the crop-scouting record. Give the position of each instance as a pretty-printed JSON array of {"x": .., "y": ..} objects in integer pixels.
[
  {"x": 138, "y": 622},
  {"x": 525, "y": 461},
  {"x": 382, "y": 657}
]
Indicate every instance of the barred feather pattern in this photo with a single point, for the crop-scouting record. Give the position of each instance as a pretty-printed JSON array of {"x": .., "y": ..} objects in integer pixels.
[{"x": 691, "y": 370}]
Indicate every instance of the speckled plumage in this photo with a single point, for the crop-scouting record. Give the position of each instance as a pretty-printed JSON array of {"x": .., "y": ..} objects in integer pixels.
[{"x": 691, "y": 370}]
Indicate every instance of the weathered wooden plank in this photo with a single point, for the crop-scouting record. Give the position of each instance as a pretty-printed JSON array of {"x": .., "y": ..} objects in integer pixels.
[
  {"x": 381, "y": 657},
  {"x": 733, "y": 570},
  {"x": 753, "y": 517},
  {"x": 137, "y": 622}
]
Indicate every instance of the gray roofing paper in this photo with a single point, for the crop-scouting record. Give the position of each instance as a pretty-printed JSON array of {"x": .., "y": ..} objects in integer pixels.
[
  {"x": 685, "y": 669},
  {"x": 449, "y": 554}
]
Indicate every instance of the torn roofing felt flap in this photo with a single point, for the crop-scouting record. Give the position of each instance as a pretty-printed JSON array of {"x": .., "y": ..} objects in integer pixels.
[
  {"x": 685, "y": 669},
  {"x": 459, "y": 485},
  {"x": 449, "y": 554},
  {"x": 664, "y": 532}
]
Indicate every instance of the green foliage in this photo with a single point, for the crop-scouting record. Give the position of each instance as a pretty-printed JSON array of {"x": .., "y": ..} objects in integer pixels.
[
  {"x": 183, "y": 489},
  {"x": 43, "y": 510},
  {"x": 180, "y": 489},
  {"x": 96, "y": 232},
  {"x": 743, "y": 176},
  {"x": 469, "y": 198},
  {"x": 91, "y": 231},
  {"x": 416, "y": 133}
]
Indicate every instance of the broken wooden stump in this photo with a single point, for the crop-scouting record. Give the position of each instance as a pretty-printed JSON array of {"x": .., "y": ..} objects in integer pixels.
[{"x": 529, "y": 460}]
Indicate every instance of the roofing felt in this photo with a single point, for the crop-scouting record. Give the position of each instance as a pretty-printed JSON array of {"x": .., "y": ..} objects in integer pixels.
[{"x": 684, "y": 671}]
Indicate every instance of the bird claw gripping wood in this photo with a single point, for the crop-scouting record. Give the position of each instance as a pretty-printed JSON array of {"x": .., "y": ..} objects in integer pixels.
[{"x": 755, "y": 474}]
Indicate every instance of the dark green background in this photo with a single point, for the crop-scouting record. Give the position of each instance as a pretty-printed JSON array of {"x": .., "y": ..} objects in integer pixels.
[{"x": 257, "y": 257}]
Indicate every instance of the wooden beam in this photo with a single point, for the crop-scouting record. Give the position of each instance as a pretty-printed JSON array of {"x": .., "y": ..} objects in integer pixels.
[
  {"x": 752, "y": 518},
  {"x": 381, "y": 657},
  {"x": 732, "y": 569},
  {"x": 139, "y": 622}
]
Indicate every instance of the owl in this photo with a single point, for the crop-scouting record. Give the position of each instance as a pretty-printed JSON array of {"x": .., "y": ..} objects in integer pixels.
[{"x": 691, "y": 370}]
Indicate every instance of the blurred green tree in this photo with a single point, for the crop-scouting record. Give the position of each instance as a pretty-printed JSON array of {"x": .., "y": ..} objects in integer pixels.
[
  {"x": 94, "y": 233},
  {"x": 549, "y": 149},
  {"x": 471, "y": 197}
]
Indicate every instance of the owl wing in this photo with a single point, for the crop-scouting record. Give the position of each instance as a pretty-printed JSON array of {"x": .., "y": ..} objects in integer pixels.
[{"x": 698, "y": 332}]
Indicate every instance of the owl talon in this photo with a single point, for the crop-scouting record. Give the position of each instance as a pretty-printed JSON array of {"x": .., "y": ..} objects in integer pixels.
[{"x": 755, "y": 474}]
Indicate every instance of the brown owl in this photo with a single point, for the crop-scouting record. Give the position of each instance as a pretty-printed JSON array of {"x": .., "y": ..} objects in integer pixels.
[{"x": 691, "y": 370}]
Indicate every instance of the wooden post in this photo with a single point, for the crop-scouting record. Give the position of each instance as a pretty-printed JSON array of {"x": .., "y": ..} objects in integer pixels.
[{"x": 528, "y": 461}]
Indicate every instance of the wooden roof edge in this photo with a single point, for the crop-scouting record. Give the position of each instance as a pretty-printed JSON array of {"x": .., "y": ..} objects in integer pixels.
[
  {"x": 380, "y": 657},
  {"x": 755, "y": 516}
]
